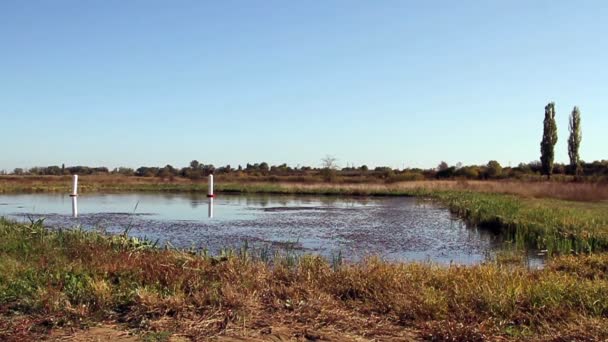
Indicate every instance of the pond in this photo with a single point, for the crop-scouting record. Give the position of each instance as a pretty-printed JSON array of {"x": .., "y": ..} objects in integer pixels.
[{"x": 395, "y": 228}]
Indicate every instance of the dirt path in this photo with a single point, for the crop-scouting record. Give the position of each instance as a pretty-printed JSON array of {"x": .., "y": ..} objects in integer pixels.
[
  {"x": 275, "y": 334},
  {"x": 94, "y": 334}
]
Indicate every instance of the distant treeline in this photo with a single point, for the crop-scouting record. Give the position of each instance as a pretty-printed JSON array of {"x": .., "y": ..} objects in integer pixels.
[
  {"x": 597, "y": 170},
  {"x": 329, "y": 172}
]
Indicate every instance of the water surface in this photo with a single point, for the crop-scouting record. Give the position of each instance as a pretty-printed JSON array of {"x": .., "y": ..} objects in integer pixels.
[{"x": 393, "y": 228}]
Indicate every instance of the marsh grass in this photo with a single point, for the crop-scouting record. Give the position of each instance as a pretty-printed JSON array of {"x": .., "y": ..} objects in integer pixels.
[
  {"x": 555, "y": 225},
  {"x": 50, "y": 279}
]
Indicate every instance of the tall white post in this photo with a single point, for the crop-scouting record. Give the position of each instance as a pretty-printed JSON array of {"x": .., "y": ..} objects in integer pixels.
[
  {"x": 74, "y": 196},
  {"x": 210, "y": 191},
  {"x": 210, "y": 195}
]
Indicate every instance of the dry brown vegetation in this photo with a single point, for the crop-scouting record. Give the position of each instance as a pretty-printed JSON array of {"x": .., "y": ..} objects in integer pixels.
[
  {"x": 576, "y": 191},
  {"x": 57, "y": 280},
  {"x": 558, "y": 190}
]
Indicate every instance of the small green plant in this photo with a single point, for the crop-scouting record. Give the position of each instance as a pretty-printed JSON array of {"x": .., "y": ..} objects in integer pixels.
[
  {"x": 160, "y": 336},
  {"x": 336, "y": 260}
]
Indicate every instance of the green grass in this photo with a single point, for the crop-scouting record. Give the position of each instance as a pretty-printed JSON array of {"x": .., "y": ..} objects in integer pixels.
[
  {"x": 555, "y": 225},
  {"x": 51, "y": 279}
]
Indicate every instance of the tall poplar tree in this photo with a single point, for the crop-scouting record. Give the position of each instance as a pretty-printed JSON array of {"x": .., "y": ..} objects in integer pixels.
[
  {"x": 547, "y": 145},
  {"x": 574, "y": 141}
]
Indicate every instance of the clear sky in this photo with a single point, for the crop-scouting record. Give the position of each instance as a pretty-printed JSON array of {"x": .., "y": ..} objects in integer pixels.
[{"x": 131, "y": 83}]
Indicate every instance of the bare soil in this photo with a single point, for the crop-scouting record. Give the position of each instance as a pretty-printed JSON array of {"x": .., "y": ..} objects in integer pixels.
[{"x": 115, "y": 333}]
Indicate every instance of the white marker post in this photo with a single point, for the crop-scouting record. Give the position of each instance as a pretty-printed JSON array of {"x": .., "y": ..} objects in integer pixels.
[
  {"x": 210, "y": 195},
  {"x": 74, "y": 196}
]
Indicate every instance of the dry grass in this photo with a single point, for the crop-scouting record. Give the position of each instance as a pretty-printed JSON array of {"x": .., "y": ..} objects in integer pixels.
[
  {"x": 55, "y": 279},
  {"x": 557, "y": 190},
  {"x": 575, "y": 191}
]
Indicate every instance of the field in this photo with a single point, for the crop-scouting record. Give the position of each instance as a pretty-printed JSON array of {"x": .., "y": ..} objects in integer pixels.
[{"x": 53, "y": 281}]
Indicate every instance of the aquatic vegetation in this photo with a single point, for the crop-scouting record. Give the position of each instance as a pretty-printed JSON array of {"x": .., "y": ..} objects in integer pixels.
[{"x": 554, "y": 225}]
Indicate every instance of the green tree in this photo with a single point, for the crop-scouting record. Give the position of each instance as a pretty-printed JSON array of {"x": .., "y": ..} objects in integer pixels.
[
  {"x": 195, "y": 164},
  {"x": 167, "y": 172},
  {"x": 547, "y": 145},
  {"x": 469, "y": 172},
  {"x": 494, "y": 169},
  {"x": 442, "y": 166},
  {"x": 574, "y": 141}
]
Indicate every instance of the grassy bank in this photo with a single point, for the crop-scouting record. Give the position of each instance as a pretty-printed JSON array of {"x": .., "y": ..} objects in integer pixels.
[
  {"x": 555, "y": 225},
  {"x": 55, "y": 279}
]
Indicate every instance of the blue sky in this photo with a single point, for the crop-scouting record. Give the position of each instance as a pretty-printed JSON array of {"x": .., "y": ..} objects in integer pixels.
[{"x": 398, "y": 83}]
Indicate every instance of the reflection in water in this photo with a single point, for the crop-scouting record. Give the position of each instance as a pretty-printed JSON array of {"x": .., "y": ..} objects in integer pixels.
[
  {"x": 394, "y": 228},
  {"x": 210, "y": 215},
  {"x": 74, "y": 206}
]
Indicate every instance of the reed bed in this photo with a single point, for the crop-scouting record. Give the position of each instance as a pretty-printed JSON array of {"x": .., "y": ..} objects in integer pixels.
[
  {"x": 555, "y": 225},
  {"x": 72, "y": 278}
]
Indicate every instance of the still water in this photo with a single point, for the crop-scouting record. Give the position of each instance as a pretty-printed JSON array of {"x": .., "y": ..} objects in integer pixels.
[{"x": 393, "y": 228}]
